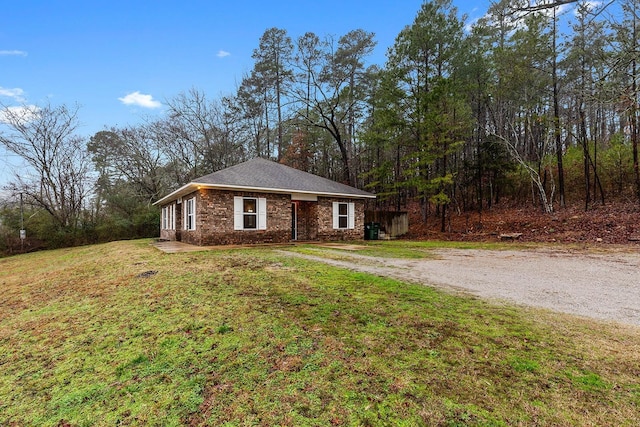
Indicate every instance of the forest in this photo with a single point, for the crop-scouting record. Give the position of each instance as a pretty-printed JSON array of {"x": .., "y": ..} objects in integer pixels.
[{"x": 535, "y": 104}]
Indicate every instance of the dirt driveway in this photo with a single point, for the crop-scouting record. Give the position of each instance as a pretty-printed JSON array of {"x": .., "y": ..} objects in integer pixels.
[{"x": 599, "y": 285}]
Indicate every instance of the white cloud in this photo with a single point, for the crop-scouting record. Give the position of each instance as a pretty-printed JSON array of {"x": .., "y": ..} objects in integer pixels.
[
  {"x": 13, "y": 53},
  {"x": 140, "y": 99},
  {"x": 223, "y": 54},
  {"x": 20, "y": 114},
  {"x": 16, "y": 93}
]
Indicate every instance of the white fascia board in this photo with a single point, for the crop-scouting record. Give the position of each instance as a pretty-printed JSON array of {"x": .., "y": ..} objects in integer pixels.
[
  {"x": 280, "y": 191},
  {"x": 177, "y": 193},
  {"x": 192, "y": 186}
]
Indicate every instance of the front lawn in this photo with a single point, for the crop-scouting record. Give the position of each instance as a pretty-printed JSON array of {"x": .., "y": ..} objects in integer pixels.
[{"x": 121, "y": 334}]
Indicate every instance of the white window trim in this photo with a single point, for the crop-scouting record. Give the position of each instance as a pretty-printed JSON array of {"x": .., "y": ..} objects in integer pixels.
[
  {"x": 254, "y": 214},
  {"x": 169, "y": 217},
  {"x": 190, "y": 205},
  {"x": 238, "y": 213},
  {"x": 350, "y": 215}
]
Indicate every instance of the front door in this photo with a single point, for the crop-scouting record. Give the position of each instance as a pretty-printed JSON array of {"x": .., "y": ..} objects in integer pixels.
[{"x": 294, "y": 221}]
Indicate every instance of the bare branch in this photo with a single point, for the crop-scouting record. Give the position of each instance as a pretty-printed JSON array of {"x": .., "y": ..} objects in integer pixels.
[{"x": 543, "y": 5}]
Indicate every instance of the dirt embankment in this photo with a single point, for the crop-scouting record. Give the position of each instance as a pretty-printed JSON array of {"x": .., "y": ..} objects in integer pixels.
[{"x": 616, "y": 223}]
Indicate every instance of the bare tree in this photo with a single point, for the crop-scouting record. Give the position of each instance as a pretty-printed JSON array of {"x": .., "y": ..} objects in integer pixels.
[
  {"x": 199, "y": 134},
  {"x": 130, "y": 156},
  {"x": 539, "y": 5},
  {"x": 58, "y": 177}
]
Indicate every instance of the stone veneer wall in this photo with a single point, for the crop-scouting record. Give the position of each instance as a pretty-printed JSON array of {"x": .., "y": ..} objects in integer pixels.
[
  {"x": 325, "y": 220},
  {"x": 214, "y": 219}
]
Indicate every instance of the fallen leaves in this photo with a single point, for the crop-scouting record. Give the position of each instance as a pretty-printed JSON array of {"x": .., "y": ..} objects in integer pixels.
[{"x": 615, "y": 223}]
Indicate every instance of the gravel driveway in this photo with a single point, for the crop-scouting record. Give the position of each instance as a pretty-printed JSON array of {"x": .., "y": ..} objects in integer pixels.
[{"x": 598, "y": 285}]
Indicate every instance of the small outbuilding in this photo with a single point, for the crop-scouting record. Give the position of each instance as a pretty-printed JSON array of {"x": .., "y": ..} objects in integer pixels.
[{"x": 260, "y": 201}]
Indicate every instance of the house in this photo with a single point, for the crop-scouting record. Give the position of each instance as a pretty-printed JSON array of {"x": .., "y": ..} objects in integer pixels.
[{"x": 260, "y": 201}]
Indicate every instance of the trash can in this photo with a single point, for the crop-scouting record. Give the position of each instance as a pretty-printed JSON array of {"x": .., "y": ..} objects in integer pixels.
[
  {"x": 375, "y": 231},
  {"x": 367, "y": 231},
  {"x": 371, "y": 231}
]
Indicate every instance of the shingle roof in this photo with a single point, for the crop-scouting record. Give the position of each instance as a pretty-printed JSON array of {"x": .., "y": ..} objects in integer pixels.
[{"x": 264, "y": 175}]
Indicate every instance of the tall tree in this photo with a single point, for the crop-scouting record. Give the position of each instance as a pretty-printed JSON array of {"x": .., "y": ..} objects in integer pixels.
[
  {"x": 252, "y": 111},
  {"x": 586, "y": 65},
  {"x": 199, "y": 134},
  {"x": 272, "y": 58},
  {"x": 58, "y": 178},
  {"x": 336, "y": 73},
  {"x": 129, "y": 157},
  {"x": 353, "y": 48},
  {"x": 557, "y": 132},
  {"x": 307, "y": 58},
  {"x": 520, "y": 111},
  {"x": 425, "y": 58},
  {"x": 387, "y": 139},
  {"x": 187, "y": 131},
  {"x": 628, "y": 70}
]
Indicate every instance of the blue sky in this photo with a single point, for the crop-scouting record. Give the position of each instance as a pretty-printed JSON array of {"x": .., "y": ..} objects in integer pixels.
[{"x": 120, "y": 60}]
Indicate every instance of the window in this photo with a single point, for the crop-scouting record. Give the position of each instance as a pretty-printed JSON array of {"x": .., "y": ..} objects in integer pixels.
[
  {"x": 343, "y": 215},
  {"x": 168, "y": 217},
  {"x": 190, "y": 214},
  {"x": 250, "y": 213},
  {"x": 165, "y": 222}
]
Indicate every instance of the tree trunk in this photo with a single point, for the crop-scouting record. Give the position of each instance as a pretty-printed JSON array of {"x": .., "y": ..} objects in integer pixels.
[
  {"x": 634, "y": 115},
  {"x": 585, "y": 155},
  {"x": 556, "y": 119}
]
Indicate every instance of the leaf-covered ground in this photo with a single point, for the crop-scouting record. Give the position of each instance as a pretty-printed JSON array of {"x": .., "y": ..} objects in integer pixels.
[{"x": 615, "y": 223}]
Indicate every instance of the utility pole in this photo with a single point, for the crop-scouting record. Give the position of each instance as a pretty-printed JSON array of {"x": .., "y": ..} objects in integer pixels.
[{"x": 23, "y": 232}]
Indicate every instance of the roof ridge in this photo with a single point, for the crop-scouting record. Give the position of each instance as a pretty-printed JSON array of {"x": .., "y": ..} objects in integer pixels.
[{"x": 260, "y": 174}]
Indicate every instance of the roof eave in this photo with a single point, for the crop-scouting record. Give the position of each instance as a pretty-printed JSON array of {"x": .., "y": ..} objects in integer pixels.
[
  {"x": 282, "y": 190},
  {"x": 198, "y": 185},
  {"x": 175, "y": 194}
]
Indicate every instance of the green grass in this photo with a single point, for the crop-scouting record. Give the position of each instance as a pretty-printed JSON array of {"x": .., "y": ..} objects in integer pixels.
[
  {"x": 253, "y": 337},
  {"x": 386, "y": 249},
  {"x": 404, "y": 248}
]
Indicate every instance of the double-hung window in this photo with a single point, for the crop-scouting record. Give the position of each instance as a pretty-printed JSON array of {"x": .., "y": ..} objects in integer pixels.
[
  {"x": 190, "y": 214},
  {"x": 343, "y": 215},
  {"x": 250, "y": 213}
]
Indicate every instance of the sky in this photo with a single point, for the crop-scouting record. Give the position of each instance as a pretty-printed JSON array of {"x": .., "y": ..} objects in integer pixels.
[{"x": 119, "y": 61}]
